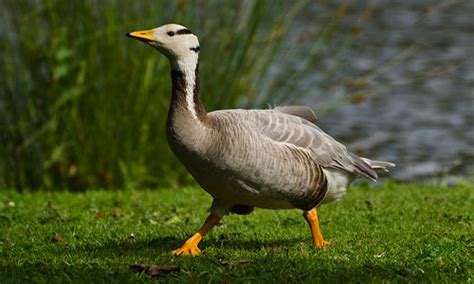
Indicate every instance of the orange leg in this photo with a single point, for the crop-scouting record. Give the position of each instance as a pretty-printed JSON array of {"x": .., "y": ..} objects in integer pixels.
[
  {"x": 312, "y": 220},
  {"x": 190, "y": 247}
]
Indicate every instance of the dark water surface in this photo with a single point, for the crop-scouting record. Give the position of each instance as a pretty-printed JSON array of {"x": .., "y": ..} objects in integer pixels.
[{"x": 416, "y": 59}]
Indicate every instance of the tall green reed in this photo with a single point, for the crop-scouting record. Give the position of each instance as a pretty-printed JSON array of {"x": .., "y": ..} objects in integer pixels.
[{"x": 83, "y": 106}]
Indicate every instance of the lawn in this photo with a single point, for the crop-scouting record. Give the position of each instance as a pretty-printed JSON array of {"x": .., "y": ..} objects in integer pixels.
[{"x": 394, "y": 232}]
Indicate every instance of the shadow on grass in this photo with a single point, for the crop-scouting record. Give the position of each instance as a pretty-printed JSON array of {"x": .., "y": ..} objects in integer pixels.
[
  {"x": 252, "y": 245},
  {"x": 276, "y": 269},
  {"x": 42, "y": 272},
  {"x": 111, "y": 262},
  {"x": 164, "y": 245}
]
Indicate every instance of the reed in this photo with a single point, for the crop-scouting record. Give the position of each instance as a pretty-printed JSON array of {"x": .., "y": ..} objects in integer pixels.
[{"x": 82, "y": 106}]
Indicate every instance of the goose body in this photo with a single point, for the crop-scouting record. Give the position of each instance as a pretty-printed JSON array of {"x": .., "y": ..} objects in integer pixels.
[
  {"x": 263, "y": 158},
  {"x": 274, "y": 158}
]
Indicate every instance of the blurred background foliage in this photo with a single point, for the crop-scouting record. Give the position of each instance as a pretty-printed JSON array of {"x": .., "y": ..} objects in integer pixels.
[{"x": 82, "y": 106}]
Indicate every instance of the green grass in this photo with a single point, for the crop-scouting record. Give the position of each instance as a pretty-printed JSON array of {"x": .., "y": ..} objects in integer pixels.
[{"x": 395, "y": 232}]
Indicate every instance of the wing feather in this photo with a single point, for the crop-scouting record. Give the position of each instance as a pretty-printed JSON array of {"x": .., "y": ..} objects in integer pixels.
[
  {"x": 300, "y": 111},
  {"x": 297, "y": 131},
  {"x": 324, "y": 149}
]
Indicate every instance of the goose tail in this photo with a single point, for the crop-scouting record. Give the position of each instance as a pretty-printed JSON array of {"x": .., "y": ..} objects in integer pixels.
[{"x": 379, "y": 165}]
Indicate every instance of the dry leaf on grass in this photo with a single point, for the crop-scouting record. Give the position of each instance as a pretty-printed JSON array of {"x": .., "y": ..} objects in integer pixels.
[
  {"x": 116, "y": 213},
  {"x": 230, "y": 264},
  {"x": 155, "y": 270},
  {"x": 58, "y": 239},
  {"x": 100, "y": 214}
]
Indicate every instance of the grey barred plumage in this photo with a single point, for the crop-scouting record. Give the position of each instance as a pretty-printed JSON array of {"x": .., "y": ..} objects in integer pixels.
[
  {"x": 271, "y": 158},
  {"x": 300, "y": 111}
]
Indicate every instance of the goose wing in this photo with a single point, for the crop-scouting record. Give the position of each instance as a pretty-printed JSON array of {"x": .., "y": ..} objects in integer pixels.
[
  {"x": 286, "y": 128},
  {"x": 300, "y": 111}
]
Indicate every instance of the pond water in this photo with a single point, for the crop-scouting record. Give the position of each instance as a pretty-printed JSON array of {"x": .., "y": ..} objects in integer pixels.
[{"x": 419, "y": 110}]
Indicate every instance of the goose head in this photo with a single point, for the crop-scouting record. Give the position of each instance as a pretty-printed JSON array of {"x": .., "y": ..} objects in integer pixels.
[{"x": 174, "y": 41}]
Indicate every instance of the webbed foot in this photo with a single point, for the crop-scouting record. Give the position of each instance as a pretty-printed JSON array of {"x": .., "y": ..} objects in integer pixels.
[{"x": 188, "y": 248}]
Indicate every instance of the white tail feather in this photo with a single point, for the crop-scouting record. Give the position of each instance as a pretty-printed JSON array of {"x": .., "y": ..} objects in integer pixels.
[{"x": 378, "y": 164}]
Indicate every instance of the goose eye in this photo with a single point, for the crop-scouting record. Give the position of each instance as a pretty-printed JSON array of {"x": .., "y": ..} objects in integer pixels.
[{"x": 171, "y": 33}]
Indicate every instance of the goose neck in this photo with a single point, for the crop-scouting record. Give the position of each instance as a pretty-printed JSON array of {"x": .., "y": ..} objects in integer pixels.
[{"x": 186, "y": 99}]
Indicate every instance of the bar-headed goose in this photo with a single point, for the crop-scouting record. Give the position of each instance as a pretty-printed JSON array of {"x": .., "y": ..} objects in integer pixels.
[{"x": 272, "y": 158}]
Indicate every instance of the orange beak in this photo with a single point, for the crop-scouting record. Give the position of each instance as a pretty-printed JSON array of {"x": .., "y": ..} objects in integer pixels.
[{"x": 145, "y": 36}]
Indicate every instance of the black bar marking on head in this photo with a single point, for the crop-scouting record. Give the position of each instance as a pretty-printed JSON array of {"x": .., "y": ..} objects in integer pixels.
[
  {"x": 183, "y": 32},
  {"x": 195, "y": 49}
]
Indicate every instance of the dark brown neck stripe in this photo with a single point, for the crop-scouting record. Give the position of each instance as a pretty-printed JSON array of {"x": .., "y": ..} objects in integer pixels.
[{"x": 179, "y": 83}]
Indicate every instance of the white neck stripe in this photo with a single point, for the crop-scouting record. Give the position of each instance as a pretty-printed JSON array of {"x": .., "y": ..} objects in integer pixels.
[
  {"x": 188, "y": 66},
  {"x": 190, "y": 83}
]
